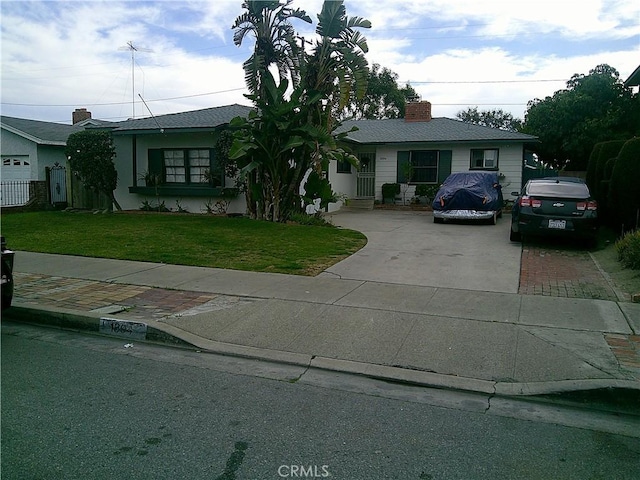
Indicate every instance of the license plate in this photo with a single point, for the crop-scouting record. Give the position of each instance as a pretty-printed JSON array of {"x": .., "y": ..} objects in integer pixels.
[{"x": 557, "y": 224}]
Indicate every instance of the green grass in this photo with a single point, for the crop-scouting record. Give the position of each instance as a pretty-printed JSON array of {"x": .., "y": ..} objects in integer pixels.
[
  {"x": 625, "y": 279},
  {"x": 200, "y": 240}
]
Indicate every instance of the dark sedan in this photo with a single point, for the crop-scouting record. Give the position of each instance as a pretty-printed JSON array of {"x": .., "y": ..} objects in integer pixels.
[{"x": 557, "y": 206}]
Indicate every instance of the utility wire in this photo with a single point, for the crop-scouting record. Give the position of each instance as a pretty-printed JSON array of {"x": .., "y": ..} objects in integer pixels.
[{"x": 123, "y": 103}]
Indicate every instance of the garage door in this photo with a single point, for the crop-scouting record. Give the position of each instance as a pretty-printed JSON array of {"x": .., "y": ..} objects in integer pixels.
[{"x": 15, "y": 176}]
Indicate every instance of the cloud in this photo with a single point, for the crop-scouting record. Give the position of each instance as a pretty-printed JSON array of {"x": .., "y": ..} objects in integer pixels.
[{"x": 69, "y": 53}]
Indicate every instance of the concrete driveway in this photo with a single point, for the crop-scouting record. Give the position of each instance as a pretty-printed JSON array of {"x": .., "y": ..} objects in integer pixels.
[{"x": 406, "y": 247}]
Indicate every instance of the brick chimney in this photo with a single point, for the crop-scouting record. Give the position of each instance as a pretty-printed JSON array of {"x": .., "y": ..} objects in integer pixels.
[
  {"x": 417, "y": 111},
  {"x": 80, "y": 115}
]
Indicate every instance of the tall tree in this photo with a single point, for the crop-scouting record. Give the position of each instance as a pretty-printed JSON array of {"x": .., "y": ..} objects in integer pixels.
[
  {"x": 593, "y": 108},
  {"x": 90, "y": 154},
  {"x": 497, "y": 118},
  {"x": 269, "y": 22},
  {"x": 291, "y": 133},
  {"x": 336, "y": 68},
  {"x": 383, "y": 97}
]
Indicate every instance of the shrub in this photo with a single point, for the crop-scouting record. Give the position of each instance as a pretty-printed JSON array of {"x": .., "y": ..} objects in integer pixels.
[
  {"x": 628, "y": 248},
  {"x": 424, "y": 190},
  {"x": 607, "y": 151},
  {"x": 390, "y": 190},
  {"x": 605, "y": 212},
  {"x": 591, "y": 166},
  {"x": 624, "y": 194},
  {"x": 307, "y": 219}
]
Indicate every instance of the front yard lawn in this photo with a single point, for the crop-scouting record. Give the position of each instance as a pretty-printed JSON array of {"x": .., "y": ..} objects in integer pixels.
[{"x": 206, "y": 241}]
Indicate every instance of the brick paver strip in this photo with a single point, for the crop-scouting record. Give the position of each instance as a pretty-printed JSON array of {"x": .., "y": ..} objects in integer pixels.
[
  {"x": 561, "y": 273},
  {"x": 626, "y": 349},
  {"x": 142, "y": 302}
]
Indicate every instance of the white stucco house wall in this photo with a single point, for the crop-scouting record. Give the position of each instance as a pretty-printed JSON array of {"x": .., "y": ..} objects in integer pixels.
[
  {"x": 179, "y": 147},
  {"x": 434, "y": 147}
]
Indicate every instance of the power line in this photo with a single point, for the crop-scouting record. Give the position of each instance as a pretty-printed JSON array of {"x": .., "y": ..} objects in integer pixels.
[
  {"x": 484, "y": 81},
  {"x": 122, "y": 103},
  {"x": 412, "y": 82}
]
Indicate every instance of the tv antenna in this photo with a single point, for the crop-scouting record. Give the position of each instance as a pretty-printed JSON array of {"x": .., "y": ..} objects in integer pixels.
[{"x": 133, "y": 49}]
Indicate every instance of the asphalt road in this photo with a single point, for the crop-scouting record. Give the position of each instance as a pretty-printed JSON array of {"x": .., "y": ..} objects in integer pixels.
[{"x": 76, "y": 406}]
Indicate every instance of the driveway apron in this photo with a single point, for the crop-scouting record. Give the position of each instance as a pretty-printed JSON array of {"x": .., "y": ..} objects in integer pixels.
[{"x": 406, "y": 247}]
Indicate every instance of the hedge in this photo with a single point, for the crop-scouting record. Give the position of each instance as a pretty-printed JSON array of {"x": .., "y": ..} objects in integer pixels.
[
  {"x": 628, "y": 248},
  {"x": 624, "y": 191},
  {"x": 606, "y": 151}
]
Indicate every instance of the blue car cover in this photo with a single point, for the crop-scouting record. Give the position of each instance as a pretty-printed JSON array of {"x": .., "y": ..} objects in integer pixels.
[{"x": 469, "y": 191}]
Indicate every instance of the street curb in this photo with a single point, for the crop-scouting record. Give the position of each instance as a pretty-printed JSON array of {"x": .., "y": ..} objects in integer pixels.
[{"x": 163, "y": 333}]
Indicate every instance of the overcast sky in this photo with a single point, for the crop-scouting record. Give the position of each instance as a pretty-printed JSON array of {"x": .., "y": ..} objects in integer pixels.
[{"x": 61, "y": 55}]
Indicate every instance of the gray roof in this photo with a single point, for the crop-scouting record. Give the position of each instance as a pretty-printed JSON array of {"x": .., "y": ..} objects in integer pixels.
[
  {"x": 634, "y": 78},
  {"x": 208, "y": 118},
  {"x": 43, "y": 133},
  {"x": 437, "y": 130}
]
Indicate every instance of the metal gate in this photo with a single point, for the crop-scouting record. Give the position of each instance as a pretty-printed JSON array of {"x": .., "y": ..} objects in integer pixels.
[
  {"x": 366, "y": 176},
  {"x": 57, "y": 176}
]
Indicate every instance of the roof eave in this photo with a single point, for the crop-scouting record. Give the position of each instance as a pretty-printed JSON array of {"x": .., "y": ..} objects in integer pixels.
[
  {"x": 411, "y": 142},
  {"x": 634, "y": 78},
  {"x": 162, "y": 130}
]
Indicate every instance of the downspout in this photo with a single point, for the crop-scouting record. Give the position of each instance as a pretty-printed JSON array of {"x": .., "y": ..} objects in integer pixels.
[{"x": 134, "y": 146}]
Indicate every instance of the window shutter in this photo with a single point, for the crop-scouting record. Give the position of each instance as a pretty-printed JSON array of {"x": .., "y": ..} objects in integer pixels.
[
  {"x": 403, "y": 161},
  {"x": 217, "y": 172},
  {"x": 444, "y": 165},
  {"x": 156, "y": 161}
]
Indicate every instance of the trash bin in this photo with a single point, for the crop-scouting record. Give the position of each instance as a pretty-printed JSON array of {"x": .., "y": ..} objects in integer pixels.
[{"x": 6, "y": 261}]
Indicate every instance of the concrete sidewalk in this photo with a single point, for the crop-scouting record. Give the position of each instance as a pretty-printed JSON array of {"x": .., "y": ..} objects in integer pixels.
[{"x": 491, "y": 342}]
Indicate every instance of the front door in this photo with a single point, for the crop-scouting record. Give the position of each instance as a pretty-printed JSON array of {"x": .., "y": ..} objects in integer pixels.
[{"x": 366, "y": 175}]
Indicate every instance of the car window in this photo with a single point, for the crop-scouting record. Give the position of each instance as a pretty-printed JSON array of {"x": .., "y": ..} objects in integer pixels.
[{"x": 558, "y": 189}]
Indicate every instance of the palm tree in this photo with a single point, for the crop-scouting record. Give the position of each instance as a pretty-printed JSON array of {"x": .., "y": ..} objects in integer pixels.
[
  {"x": 275, "y": 42},
  {"x": 292, "y": 131},
  {"x": 337, "y": 67}
]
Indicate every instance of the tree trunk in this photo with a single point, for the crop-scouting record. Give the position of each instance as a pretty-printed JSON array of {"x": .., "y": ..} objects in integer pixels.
[{"x": 114, "y": 201}]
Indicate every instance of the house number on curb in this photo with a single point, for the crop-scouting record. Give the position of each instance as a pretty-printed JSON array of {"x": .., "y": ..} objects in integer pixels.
[{"x": 123, "y": 328}]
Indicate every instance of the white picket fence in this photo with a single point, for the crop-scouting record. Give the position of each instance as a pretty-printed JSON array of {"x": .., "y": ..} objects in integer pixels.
[{"x": 14, "y": 193}]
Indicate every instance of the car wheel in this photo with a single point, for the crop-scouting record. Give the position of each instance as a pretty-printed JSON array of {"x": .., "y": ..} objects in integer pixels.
[
  {"x": 6, "y": 302},
  {"x": 494, "y": 219},
  {"x": 514, "y": 236}
]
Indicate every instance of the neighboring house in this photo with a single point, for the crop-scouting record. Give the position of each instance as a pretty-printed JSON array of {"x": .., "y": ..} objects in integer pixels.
[
  {"x": 434, "y": 147},
  {"x": 634, "y": 78},
  {"x": 178, "y": 150},
  {"x": 29, "y": 148}
]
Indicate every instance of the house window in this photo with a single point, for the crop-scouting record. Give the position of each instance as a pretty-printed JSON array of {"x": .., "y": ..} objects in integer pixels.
[
  {"x": 191, "y": 166},
  {"x": 344, "y": 167},
  {"x": 484, "y": 159},
  {"x": 175, "y": 167},
  {"x": 418, "y": 166},
  {"x": 424, "y": 166}
]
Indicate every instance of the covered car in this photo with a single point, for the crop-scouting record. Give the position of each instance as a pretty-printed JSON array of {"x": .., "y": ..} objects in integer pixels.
[{"x": 469, "y": 196}]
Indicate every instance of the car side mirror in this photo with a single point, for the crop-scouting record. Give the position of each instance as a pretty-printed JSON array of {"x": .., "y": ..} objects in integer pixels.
[{"x": 515, "y": 194}]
